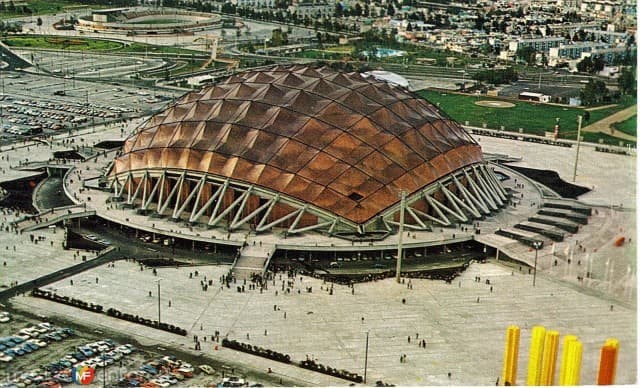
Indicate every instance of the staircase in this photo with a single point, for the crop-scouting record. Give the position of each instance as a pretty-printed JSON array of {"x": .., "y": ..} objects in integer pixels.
[{"x": 253, "y": 260}]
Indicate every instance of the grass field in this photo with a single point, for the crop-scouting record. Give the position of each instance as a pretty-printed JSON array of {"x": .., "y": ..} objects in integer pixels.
[
  {"x": 62, "y": 43},
  {"x": 41, "y": 7},
  {"x": 83, "y": 44},
  {"x": 629, "y": 126},
  {"x": 533, "y": 118},
  {"x": 141, "y": 48},
  {"x": 156, "y": 21}
]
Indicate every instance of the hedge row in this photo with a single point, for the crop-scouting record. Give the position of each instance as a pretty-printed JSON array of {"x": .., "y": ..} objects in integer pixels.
[
  {"x": 96, "y": 308},
  {"x": 256, "y": 350},
  {"x": 277, "y": 356},
  {"x": 342, "y": 374},
  {"x": 516, "y": 136},
  {"x": 611, "y": 151},
  {"x": 146, "y": 322}
]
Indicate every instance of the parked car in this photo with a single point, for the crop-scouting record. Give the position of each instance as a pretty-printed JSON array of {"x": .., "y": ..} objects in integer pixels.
[{"x": 207, "y": 369}]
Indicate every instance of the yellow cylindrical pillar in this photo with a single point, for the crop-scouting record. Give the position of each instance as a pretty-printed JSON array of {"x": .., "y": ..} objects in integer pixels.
[
  {"x": 549, "y": 357},
  {"x": 574, "y": 362},
  {"x": 608, "y": 362},
  {"x": 510, "y": 364},
  {"x": 566, "y": 340},
  {"x": 534, "y": 368}
]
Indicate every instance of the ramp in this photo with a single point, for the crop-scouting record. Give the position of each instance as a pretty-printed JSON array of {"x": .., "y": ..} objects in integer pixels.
[{"x": 52, "y": 217}]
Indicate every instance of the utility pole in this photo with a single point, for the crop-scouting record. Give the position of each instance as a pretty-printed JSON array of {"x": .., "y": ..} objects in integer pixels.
[
  {"x": 575, "y": 165},
  {"x": 536, "y": 245},
  {"x": 158, "y": 282},
  {"x": 400, "y": 233},
  {"x": 366, "y": 355}
]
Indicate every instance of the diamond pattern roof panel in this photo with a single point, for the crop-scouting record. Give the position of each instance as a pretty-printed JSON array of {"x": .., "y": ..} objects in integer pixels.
[
  {"x": 323, "y": 169},
  {"x": 317, "y": 133},
  {"x": 348, "y": 148},
  {"x": 314, "y": 134}
]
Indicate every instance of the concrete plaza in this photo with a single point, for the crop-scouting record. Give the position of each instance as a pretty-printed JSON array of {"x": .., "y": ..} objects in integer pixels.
[{"x": 463, "y": 323}]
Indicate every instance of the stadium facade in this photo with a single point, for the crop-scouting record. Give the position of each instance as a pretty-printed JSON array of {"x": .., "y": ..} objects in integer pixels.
[{"x": 298, "y": 149}]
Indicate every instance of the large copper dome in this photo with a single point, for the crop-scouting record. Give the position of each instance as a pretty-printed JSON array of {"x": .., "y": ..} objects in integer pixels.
[{"x": 334, "y": 140}]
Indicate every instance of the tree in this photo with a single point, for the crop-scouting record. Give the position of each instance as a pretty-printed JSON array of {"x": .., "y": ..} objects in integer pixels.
[
  {"x": 391, "y": 10},
  {"x": 591, "y": 65},
  {"x": 278, "y": 37},
  {"x": 479, "y": 23},
  {"x": 594, "y": 93},
  {"x": 39, "y": 21},
  {"x": 627, "y": 81},
  {"x": 527, "y": 54},
  {"x": 357, "y": 10}
]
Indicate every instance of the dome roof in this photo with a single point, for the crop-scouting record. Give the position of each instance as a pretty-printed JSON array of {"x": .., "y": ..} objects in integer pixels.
[{"x": 338, "y": 141}]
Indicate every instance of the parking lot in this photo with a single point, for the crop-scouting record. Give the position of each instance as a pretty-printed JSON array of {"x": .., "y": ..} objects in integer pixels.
[
  {"x": 34, "y": 351},
  {"x": 33, "y": 104}
]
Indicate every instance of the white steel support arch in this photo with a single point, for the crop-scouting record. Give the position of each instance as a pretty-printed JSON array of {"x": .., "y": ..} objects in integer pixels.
[
  {"x": 193, "y": 193},
  {"x": 487, "y": 187},
  {"x": 161, "y": 208},
  {"x": 481, "y": 194},
  {"x": 214, "y": 220}
]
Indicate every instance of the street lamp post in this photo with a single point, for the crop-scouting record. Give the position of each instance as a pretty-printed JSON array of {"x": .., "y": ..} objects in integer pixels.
[
  {"x": 536, "y": 245},
  {"x": 400, "y": 233},
  {"x": 575, "y": 165},
  {"x": 366, "y": 357},
  {"x": 158, "y": 282}
]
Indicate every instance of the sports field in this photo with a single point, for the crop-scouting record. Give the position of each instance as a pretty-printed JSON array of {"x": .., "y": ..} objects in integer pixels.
[{"x": 532, "y": 118}]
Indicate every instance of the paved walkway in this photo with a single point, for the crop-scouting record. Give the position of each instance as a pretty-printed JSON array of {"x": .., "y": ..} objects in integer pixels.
[
  {"x": 463, "y": 323},
  {"x": 606, "y": 125},
  {"x": 463, "y": 336}
]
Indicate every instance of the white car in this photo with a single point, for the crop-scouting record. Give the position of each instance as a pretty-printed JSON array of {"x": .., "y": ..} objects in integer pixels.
[
  {"x": 5, "y": 358},
  {"x": 38, "y": 342},
  {"x": 4, "y": 317},
  {"x": 45, "y": 327},
  {"x": 29, "y": 332},
  {"x": 160, "y": 383},
  {"x": 207, "y": 369},
  {"x": 23, "y": 336},
  {"x": 115, "y": 355}
]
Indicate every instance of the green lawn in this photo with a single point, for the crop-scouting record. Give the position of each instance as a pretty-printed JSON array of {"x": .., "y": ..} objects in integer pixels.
[
  {"x": 533, "y": 118},
  {"x": 156, "y": 21},
  {"x": 141, "y": 48},
  {"x": 59, "y": 43},
  {"x": 79, "y": 44},
  {"x": 42, "y": 7},
  {"x": 628, "y": 126}
]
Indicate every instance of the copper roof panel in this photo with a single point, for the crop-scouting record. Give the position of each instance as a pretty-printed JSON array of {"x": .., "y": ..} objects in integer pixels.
[
  {"x": 292, "y": 156},
  {"x": 208, "y": 137},
  {"x": 317, "y": 133},
  {"x": 402, "y": 154},
  {"x": 348, "y": 181},
  {"x": 185, "y": 133},
  {"x": 368, "y": 131},
  {"x": 311, "y": 133},
  {"x": 348, "y": 149},
  {"x": 163, "y": 135},
  {"x": 323, "y": 168}
]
